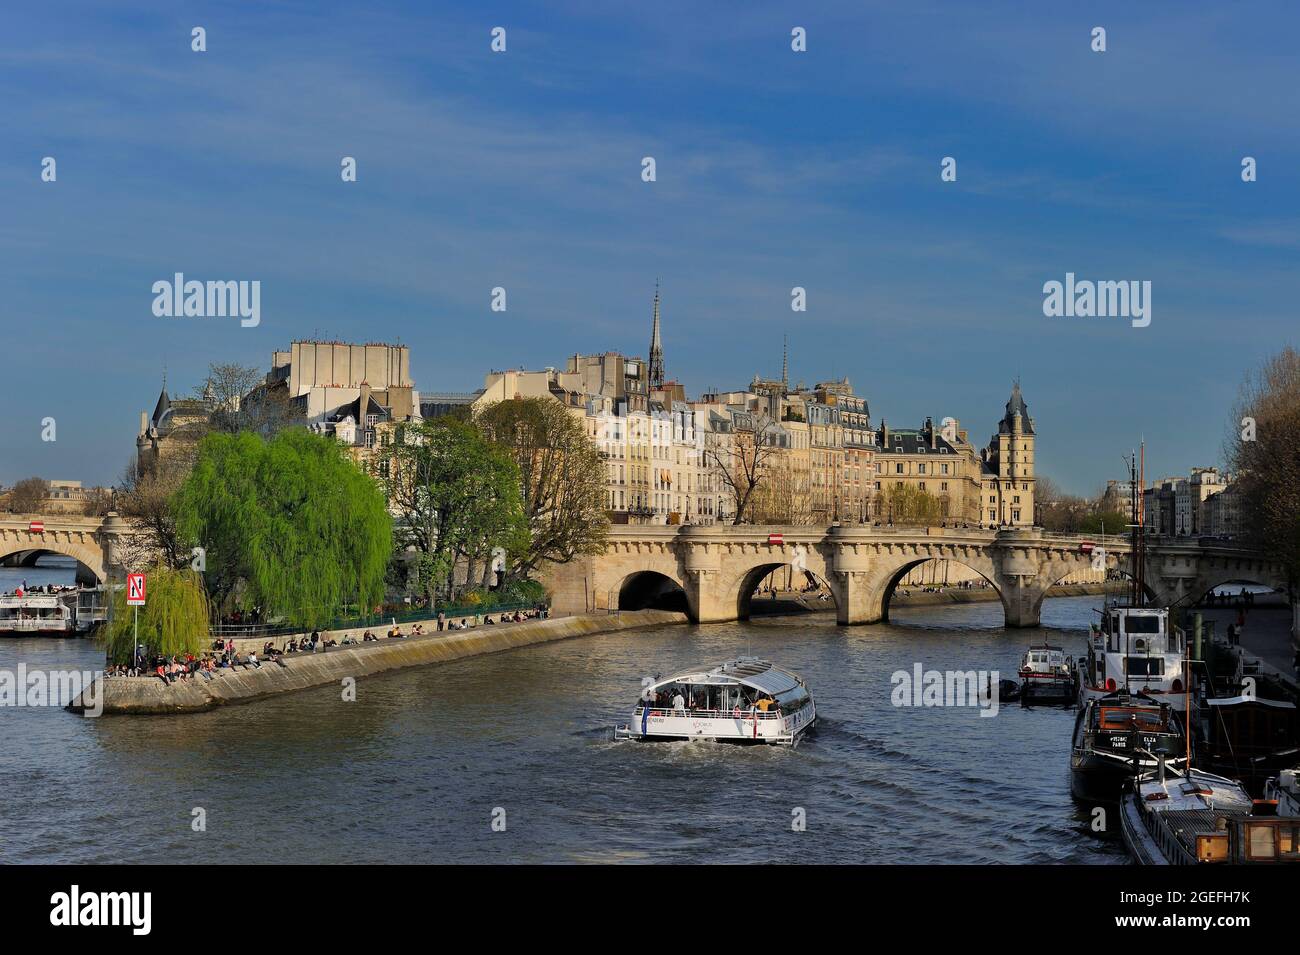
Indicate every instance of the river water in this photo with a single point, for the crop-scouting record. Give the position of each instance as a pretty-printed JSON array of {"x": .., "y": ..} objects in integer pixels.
[{"x": 416, "y": 767}]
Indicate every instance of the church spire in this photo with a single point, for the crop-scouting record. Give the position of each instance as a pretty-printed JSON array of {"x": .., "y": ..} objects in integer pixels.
[
  {"x": 785, "y": 363},
  {"x": 656, "y": 347}
]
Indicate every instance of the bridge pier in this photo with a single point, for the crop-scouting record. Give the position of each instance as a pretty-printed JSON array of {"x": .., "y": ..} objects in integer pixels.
[
  {"x": 856, "y": 601},
  {"x": 1022, "y": 602}
]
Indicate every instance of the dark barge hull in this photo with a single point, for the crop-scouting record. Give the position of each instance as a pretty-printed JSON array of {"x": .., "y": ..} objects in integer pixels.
[{"x": 1054, "y": 693}]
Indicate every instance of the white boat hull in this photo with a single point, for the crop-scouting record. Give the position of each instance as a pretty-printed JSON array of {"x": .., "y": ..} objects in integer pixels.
[{"x": 721, "y": 728}]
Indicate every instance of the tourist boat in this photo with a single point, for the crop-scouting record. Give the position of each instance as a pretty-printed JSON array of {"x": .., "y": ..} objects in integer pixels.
[
  {"x": 1284, "y": 789},
  {"x": 1119, "y": 737},
  {"x": 1046, "y": 677},
  {"x": 36, "y": 613},
  {"x": 1133, "y": 649},
  {"x": 1197, "y": 818},
  {"x": 743, "y": 701}
]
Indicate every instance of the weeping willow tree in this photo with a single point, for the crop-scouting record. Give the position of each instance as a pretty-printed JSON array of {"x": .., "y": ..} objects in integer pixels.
[
  {"x": 174, "y": 620},
  {"x": 289, "y": 525}
]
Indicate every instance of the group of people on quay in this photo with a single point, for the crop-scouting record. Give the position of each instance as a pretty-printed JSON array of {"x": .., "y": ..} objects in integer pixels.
[
  {"x": 940, "y": 588},
  {"x": 1224, "y": 599},
  {"x": 22, "y": 589},
  {"x": 223, "y": 655}
]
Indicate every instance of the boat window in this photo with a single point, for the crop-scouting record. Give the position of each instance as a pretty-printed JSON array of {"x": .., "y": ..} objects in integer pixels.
[
  {"x": 1144, "y": 666},
  {"x": 1261, "y": 841},
  {"x": 1286, "y": 839},
  {"x": 792, "y": 700},
  {"x": 1142, "y": 625},
  {"x": 1122, "y": 718},
  {"x": 1212, "y": 848}
]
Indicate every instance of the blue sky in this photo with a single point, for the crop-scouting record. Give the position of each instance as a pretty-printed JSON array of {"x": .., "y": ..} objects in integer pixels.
[{"x": 775, "y": 169}]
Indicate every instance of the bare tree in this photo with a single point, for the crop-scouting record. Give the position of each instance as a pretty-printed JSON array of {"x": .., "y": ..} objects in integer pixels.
[
  {"x": 145, "y": 495},
  {"x": 28, "y": 495},
  {"x": 1263, "y": 448},
  {"x": 784, "y": 497},
  {"x": 242, "y": 400},
  {"x": 96, "y": 502},
  {"x": 743, "y": 463}
]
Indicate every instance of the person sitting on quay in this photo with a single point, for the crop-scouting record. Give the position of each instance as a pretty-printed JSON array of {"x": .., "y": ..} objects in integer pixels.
[
  {"x": 252, "y": 659},
  {"x": 292, "y": 646},
  {"x": 367, "y": 637}
]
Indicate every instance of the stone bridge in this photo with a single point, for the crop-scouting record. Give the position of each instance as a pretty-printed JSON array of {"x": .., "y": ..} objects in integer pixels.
[
  {"x": 89, "y": 540},
  {"x": 715, "y": 569}
]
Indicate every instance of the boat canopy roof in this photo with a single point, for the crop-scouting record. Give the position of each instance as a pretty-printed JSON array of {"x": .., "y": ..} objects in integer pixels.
[{"x": 746, "y": 671}]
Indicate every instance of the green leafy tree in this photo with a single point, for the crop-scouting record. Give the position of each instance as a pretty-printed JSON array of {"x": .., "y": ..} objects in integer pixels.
[
  {"x": 290, "y": 525},
  {"x": 458, "y": 500},
  {"x": 562, "y": 478},
  {"x": 174, "y": 619},
  {"x": 1108, "y": 522}
]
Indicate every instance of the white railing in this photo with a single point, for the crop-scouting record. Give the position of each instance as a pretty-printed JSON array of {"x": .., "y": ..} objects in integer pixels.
[{"x": 711, "y": 714}]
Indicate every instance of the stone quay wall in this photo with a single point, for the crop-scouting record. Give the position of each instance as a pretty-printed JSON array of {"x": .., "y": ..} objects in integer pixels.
[{"x": 150, "y": 695}]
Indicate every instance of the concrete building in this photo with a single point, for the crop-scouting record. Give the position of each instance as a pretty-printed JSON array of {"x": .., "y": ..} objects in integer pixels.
[
  {"x": 1181, "y": 506},
  {"x": 360, "y": 394},
  {"x": 1222, "y": 513},
  {"x": 1190, "y": 497}
]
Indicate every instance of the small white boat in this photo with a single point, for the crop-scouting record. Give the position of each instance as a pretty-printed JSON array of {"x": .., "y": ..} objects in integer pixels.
[
  {"x": 1047, "y": 676},
  {"x": 744, "y": 701}
]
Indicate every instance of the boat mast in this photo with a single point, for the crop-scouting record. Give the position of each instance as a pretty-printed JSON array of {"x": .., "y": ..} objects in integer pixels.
[
  {"x": 1187, "y": 708},
  {"x": 1141, "y": 519}
]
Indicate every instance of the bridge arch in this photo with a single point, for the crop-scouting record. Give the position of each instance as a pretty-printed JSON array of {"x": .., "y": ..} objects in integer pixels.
[
  {"x": 748, "y": 581},
  {"x": 891, "y": 577},
  {"x": 652, "y": 590},
  {"x": 1203, "y": 585},
  {"x": 90, "y": 561}
]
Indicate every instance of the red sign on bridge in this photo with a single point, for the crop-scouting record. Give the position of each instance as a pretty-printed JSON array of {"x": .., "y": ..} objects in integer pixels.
[
  {"x": 776, "y": 538},
  {"x": 36, "y": 527}
]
